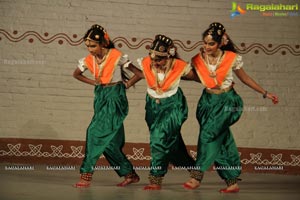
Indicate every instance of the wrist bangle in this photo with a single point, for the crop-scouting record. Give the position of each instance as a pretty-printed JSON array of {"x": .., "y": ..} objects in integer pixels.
[{"x": 265, "y": 94}]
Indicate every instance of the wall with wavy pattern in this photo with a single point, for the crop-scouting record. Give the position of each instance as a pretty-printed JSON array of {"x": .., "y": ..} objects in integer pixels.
[{"x": 41, "y": 41}]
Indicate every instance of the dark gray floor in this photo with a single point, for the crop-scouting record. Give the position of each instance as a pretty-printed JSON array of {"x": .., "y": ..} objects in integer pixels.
[{"x": 43, "y": 184}]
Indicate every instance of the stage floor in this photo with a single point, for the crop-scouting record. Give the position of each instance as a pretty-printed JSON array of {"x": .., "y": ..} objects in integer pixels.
[{"x": 44, "y": 183}]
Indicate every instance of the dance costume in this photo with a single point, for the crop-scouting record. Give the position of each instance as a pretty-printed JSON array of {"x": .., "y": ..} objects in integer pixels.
[
  {"x": 105, "y": 134},
  {"x": 166, "y": 111},
  {"x": 219, "y": 107}
]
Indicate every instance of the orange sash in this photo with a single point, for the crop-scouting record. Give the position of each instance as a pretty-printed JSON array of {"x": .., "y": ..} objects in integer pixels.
[
  {"x": 221, "y": 71},
  {"x": 175, "y": 73},
  {"x": 107, "y": 67}
]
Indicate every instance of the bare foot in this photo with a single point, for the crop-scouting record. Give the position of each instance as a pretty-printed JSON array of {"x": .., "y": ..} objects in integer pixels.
[
  {"x": 128, "y": 181},
  {"x": 82, "y": 184},
  {"x": 191, "y": 184},
  {"x": 152, "y": 187},
  {"x": 231, "y": 189}
]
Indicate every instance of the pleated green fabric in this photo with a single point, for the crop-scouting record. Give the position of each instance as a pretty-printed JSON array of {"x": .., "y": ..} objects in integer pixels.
[
  {"x": 105, "y": 134},
  {"x": 216, "y": 145},
  {"x": 164, "y": 118}
]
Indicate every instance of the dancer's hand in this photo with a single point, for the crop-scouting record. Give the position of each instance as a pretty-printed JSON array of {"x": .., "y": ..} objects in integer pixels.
[{"x": 273, "y": 97}]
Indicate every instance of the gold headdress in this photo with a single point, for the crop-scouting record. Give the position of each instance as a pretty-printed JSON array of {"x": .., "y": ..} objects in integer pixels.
[{"x": 162, "y": 46}]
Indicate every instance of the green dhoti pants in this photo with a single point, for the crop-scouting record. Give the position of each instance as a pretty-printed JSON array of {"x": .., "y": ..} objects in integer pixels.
[
  {"x": 215, "y": 114},
  {"x": 164, "y": 118},
  {"x": 105, "y": 134}
]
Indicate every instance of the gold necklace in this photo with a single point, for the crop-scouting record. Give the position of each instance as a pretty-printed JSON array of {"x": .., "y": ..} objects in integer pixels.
[
  {"x": 213, "y": 73},
  {"x": 213, "y": 59},
  {"x": 98, "y": 65},
  {"x": 164, "y": 70},
  {"x": 103, "y": 56}
]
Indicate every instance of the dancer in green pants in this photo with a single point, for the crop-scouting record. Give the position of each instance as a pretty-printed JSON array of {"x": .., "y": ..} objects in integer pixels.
[
  {"x": 219, "y": 107},
  {"x": 166, "y": 109},
  {"x": 105, "y": 134}
]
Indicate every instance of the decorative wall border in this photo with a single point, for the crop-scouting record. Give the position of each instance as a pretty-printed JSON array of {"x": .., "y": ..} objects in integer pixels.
[
  {"x": 132, "y": 43},
  {"x": 65, "y": 152}
]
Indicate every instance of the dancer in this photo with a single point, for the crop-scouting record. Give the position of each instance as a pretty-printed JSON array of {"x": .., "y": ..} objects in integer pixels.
[
  {"x": 105, "y": 134},
  {"x": 166, "y": 109},
  {"x": 219, "y": 107}
]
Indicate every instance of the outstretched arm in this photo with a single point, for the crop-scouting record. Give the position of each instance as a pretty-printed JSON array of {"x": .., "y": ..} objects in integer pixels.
[{"x": 247, "y": 80}]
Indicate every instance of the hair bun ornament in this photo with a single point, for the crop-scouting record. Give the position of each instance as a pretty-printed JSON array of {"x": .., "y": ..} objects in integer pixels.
[
  {"x": 168, "y": 41},
  {"x": 106, "y": 37},
  {"x": 225, "y": 39},
  {"x": 218, "y": 27},
  {"x": 162, "y": 46},
  {"x": 97, "y": 33},
  {"x": 172, "y": 51},
  {"x": 98, "y": 27}
]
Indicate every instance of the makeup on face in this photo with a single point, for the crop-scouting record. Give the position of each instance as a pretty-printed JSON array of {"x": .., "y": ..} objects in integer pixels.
[
  {"x": 93, "y": 47},
  {"x": 210, "y": 46},
  {"x": 159, "y": 61}
]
